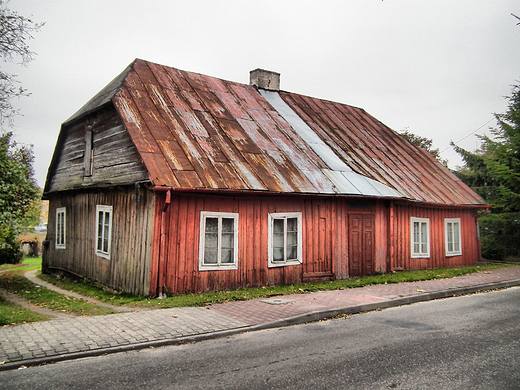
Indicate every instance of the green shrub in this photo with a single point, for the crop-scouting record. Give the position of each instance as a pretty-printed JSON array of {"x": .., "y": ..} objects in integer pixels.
[
  {"x": 500, "y": 236},
  {"x": 10, "y": 252}
]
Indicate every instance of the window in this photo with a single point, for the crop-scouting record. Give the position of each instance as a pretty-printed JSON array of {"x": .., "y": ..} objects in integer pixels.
[
  {"x": 285, "y": 239},
  {"x": 103, "y": 230},
  {"x": 452, "y": 231},
  {"x": 60, "y": 228},
  {"x": 88, "y": 160},
  {"x": 218, "y": 241},
  {"x": 420, "y": 237}
]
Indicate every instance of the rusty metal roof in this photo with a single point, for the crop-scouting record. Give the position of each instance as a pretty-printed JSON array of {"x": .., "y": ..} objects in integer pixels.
[{"x": 196, "y": 131}]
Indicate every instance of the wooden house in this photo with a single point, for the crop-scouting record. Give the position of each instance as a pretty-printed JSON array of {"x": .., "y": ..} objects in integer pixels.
[{"x": 172, "y": 181}]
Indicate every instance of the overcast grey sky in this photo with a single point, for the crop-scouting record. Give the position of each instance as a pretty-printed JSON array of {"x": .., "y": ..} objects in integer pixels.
[{"x": 439, "y": 68}]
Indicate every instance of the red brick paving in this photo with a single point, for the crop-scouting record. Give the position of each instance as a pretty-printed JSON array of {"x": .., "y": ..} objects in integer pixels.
[{"x": 256, "y": 312}]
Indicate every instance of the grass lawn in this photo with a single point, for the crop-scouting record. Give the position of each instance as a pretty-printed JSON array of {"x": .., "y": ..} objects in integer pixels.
[
  {"x": 12, "y": 280},
  {"x": 27, "y": 264},
  {"x": 207, "y": 298},
  {"x": 11, "y": 314}
]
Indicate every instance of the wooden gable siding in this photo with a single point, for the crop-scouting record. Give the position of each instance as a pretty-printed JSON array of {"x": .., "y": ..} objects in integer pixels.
[
  {"x": 325, "y": 241},
  {"x": 436, "y": 216},
  {"x": 115, "y": 158},
  {"x": 128, "y": 268}
]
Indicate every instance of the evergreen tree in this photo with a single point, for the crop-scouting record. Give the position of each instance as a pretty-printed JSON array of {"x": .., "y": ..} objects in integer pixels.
[{"x": 494, "y": 170}]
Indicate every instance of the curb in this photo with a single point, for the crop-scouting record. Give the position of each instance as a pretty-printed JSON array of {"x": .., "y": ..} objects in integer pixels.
[
  {"x": 366, "y": 307},
  {"x": 295, "y": 320}
]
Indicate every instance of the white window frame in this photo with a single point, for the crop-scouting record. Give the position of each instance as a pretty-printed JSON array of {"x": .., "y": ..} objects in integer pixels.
[
  {"x": 100, "y": 251},
  {"x": 272, "y": 217},
  {"x": 202, "y": 240},
  {"x": 455, "y": 239},
  {"x": 61, "y": 227},
  {"x": 421, "y": 253}
]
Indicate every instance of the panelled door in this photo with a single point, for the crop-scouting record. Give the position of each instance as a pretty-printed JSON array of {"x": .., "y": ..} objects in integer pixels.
[{"x": 361, "y": 244}]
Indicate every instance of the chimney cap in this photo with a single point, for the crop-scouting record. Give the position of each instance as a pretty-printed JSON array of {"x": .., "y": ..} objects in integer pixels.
[{"x": 265, "y": 79}]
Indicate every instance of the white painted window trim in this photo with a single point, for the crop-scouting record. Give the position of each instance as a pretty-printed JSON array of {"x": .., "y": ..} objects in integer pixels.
[
  {"x": 453, "y": 252},
  {"x": 101, "y": 252},
  {"x": 271, "y": 218},
  {"x": 202, "y": 236},
  {"x": 60, "y": 244},
  {"x": 420, "y": 221}
]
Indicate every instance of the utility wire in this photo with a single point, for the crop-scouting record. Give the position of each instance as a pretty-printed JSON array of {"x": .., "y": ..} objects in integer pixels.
[{"x": 470, "y": 134}]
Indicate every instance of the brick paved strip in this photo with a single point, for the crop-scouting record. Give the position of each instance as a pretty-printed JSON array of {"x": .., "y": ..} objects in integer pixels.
[
  {"x": 71, "y": 336},
  {"x": 255, "y": 312}
]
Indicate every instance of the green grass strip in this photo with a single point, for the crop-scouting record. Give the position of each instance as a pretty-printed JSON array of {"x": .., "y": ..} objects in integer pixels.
[
  {"x": 93, "y": 290},
  {"x": 47, "y": 299},
  {"x": 11, "y": 314},
  {"x": 207, "y": 298},
  {"x": 27, "y": 264}
]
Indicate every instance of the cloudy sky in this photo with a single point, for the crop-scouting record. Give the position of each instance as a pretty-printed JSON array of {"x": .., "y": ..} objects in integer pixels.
[{"x": 439, "y": 68}]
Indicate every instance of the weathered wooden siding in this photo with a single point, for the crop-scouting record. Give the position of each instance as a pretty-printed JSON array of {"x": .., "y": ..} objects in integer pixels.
[
  {"x": 325, "y": 241},
  {"x": 115, "y": 158},
  {"x": 438, "y": 259},
  {"x": 132, "y": 232},
  {"x": 328, "y": 247},
  {"x": 342, "y": 237}
]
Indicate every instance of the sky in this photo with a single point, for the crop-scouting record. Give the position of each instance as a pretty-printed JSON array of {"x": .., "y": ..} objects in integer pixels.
[{"x": 437, "y": 68}]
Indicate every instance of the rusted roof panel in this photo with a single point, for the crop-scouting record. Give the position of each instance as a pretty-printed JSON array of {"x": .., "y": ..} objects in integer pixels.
[
  {"x": 338, "y": 171},
  {"x": 385, "y": 156},
  {"x": 196, "y": 131},
  {"x": 135, "y": 125}
]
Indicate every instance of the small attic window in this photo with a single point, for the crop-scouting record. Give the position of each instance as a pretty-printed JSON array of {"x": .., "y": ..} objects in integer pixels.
[{"x": 89, "y": 152}]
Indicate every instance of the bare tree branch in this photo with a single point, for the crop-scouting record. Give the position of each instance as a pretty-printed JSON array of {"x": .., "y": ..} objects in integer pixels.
[{"x": 15, "y": 32}]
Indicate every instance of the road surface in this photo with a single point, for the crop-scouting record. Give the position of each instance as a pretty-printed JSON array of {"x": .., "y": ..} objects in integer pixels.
[{"x": 469, "y": 342}]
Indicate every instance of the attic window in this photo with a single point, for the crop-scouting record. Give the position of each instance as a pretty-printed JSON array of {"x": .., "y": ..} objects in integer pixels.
[{"x": 89, "y": 152}]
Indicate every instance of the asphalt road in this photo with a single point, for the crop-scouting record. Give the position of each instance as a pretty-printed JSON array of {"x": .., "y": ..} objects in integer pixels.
[{"x": 470, "y": 342}]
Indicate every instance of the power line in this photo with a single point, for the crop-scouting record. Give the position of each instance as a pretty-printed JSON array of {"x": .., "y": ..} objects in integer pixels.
[{"x": 470, "y": 134}]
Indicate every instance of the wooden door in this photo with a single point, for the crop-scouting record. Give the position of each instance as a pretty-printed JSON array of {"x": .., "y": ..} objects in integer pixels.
[{"x": 361, "y": 244}]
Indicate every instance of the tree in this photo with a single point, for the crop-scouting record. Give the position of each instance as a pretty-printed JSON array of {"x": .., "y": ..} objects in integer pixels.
[
  {"x": 424, "y": 143},
  {"x": 18, "y": 189},
  {"x": 15, "y": 31},
  {"x": 476, "y": 175},
  {"x": 494, "y": 170}
]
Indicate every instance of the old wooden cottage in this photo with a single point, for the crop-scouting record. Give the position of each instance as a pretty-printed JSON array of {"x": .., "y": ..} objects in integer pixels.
[{"x": 172, "y": 181}]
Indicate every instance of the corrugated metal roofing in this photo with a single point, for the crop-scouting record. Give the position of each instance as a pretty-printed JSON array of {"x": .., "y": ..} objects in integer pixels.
[
  {"x": 196, "y": 131},
  {"x": 345, "y": 180}
]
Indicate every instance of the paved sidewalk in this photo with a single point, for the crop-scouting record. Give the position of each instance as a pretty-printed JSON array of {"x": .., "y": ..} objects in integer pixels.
[{"x": 64, "y": 339}]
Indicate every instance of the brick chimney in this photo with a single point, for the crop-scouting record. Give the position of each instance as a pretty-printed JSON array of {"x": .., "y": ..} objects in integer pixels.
[{"x": 265, "y": 79}]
